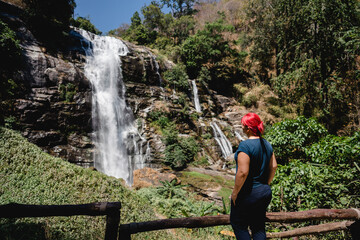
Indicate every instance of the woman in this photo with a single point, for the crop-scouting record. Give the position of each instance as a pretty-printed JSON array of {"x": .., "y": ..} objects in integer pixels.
[{"x": 255, "y": 169}]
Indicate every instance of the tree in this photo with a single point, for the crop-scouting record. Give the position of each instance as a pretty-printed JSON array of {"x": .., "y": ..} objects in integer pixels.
[
  {"x": 138, "y": 32},
  {"x": 309, "y": 42},
  {"x": 180, "y": 7},
  {"x": 153, "y": 17},
  {"x": 50, "y": 19},
  {"x": 85, "y": 24},
  {"x": 181, "y": 28},
  {"x": 211, "y": 48}
]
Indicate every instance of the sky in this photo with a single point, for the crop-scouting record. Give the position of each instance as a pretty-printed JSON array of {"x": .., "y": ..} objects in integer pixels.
[{"x": 108, "y": 14}]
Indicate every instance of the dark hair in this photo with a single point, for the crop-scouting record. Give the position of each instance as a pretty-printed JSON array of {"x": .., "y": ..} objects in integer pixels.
[{"x": 254, "y": 123}]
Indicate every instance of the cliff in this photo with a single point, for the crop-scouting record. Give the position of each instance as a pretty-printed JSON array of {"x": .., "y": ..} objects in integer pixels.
[{"x": 54, "y": 110}]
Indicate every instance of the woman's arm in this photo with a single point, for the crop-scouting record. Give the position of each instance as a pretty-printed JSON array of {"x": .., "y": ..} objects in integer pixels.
[
  {"x": 243, "y": 161},
  {"x": 272, "y": 168}
]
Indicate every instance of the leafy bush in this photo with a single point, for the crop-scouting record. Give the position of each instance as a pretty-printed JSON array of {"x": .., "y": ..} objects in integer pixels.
[
  {"x": 9, "y": 60},
  {"x": 85, "y": 24},
  {"x": 333, "y": 150},
  {"x": 179, "y": 150},
  {"x": 289, "y": 138},
  {"x": 177, "y": 78},
  {"x": 302, "y": 186}
]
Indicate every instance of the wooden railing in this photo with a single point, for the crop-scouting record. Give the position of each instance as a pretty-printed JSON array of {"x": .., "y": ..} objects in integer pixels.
[
  {"x": 110, "y": 209},
  {"x": 126, "y": 230},
  {"x": 115, "y": 231}
]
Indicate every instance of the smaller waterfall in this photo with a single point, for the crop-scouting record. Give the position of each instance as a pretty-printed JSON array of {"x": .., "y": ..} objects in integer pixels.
[
  {"x": 196, "y": 97},
  {"x": 238, "y": 135},
  {"x": 221, "y": 139},
  {"x": 157, "y": 68}
]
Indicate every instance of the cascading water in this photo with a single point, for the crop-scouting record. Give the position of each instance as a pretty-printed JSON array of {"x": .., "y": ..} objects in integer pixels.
[
  {"x": 239, "y": 136},
  {"x": 119, "y": 146},
  {"x": 221, "y": 139},
  {"x": 156, "y": 68},
  {"x": 196, "y": 97}
]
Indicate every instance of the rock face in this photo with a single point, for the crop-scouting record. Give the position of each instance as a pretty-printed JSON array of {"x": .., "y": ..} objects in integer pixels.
[{"x": 54, "y": 111}]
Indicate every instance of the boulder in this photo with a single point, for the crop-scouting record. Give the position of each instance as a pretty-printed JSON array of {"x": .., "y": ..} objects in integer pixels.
[{"x": 149, "y": 177}]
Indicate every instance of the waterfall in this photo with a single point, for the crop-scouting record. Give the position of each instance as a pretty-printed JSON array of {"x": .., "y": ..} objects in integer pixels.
[
  {"x": 119, "y": 146},
  {"x": 156, "y": 68},
  {"x": 196, "y": 97},
  {"x": 238, "y": 135},
  {"x": 221, "y": 139}
]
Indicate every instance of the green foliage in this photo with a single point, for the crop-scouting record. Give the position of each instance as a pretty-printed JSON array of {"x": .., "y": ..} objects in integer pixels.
[
  {"x": 211, "y": 48},
  {"x": 169, "y": 189},
  {"x": 30, "y": 176},
  {"x": 85, "y": 24},
  {"x": 177, "y": 78},
  {"x": 179, "y": 7},
  {"x": 300, "y": 186},
  {"x": 50, "y": 19},
  {"x": 289, "y": 138},
  {"x": 138, "y": 32},
  {"x": 153, "y": 17},
  {"x": 309, "y": 50},
  {"x": 67, "y": 92},
  {"x": 179, "y": 151},
  {"x": 181, "y": 28},
  {"x": 333, "y": 150},
  {"x": 9, "y": 60},
  {"x": 180, "y": 204}
]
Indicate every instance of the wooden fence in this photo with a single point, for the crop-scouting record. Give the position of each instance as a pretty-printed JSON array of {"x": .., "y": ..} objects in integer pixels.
[
  {"x": 110, "y": 209},
  {"x": 115, "y": 231}
]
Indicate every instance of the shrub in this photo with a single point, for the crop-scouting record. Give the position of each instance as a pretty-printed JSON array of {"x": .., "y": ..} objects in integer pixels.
[
  {"x": 85, "y": 24},
  {"x": 177, "y": 78},
  {"x": 301, "y": 186},
  {"x": 333, "y": 150},
  {"x": 289, "y": 138}
]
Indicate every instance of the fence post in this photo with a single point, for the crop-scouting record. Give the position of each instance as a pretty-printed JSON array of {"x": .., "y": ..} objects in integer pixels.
[
  {"x": 355, "y": 230},
  {"x": 112, "y": 220},
  {"x": 125, "y": 233}
]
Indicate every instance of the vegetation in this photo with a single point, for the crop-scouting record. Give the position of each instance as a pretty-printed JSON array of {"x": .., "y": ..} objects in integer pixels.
[
  {"x": 318, "y": 170},
  {"x": 9, "y": 64},
  {"x": 30, "y": 176},
  {"x": 49, "y": 20},
  {"x": 84, "y": 23}
]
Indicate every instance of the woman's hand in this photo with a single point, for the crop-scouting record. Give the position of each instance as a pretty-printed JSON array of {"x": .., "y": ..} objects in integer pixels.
[{"x": 233, "y": 197}]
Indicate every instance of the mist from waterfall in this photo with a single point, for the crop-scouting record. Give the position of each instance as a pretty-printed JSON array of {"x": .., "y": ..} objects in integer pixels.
[
  {"x": 196, "y": 97},
  {"x": 222, "y": 141},
  {"x": 119, "y": 146}
]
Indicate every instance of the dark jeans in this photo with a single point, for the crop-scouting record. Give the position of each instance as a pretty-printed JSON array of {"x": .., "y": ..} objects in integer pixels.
[{"x": 250, "y": 210}]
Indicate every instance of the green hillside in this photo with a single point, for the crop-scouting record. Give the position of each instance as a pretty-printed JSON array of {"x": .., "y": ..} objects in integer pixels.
[{"x": 30, "y": 176}]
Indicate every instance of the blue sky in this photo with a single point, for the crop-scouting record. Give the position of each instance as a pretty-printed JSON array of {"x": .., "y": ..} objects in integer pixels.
[{"x": 108, "y": 14}]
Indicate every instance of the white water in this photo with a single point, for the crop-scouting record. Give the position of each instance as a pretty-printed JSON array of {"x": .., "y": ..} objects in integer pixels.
[
  {"x": 156, "y": 68},
  {"x": 119, "y": 146},
  {"x": 238, "y": 135},
  {"x": 221, "y": 139},
  {"x": 196, "y": 97}
]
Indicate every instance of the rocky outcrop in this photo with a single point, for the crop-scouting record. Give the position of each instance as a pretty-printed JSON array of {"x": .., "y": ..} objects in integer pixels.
[{"x": 149, "y": 177}]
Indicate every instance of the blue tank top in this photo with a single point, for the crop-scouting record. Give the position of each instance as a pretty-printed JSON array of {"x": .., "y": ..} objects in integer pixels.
[{"x": 260, "y": 151}]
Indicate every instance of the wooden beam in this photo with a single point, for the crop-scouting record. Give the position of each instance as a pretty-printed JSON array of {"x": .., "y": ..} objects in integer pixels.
[
  {"x": 209, "y": 221},
  {"x": 321, "y": 228},
  {"x": 14, "y": 210},
  {"x": 315, "y": 214}
]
